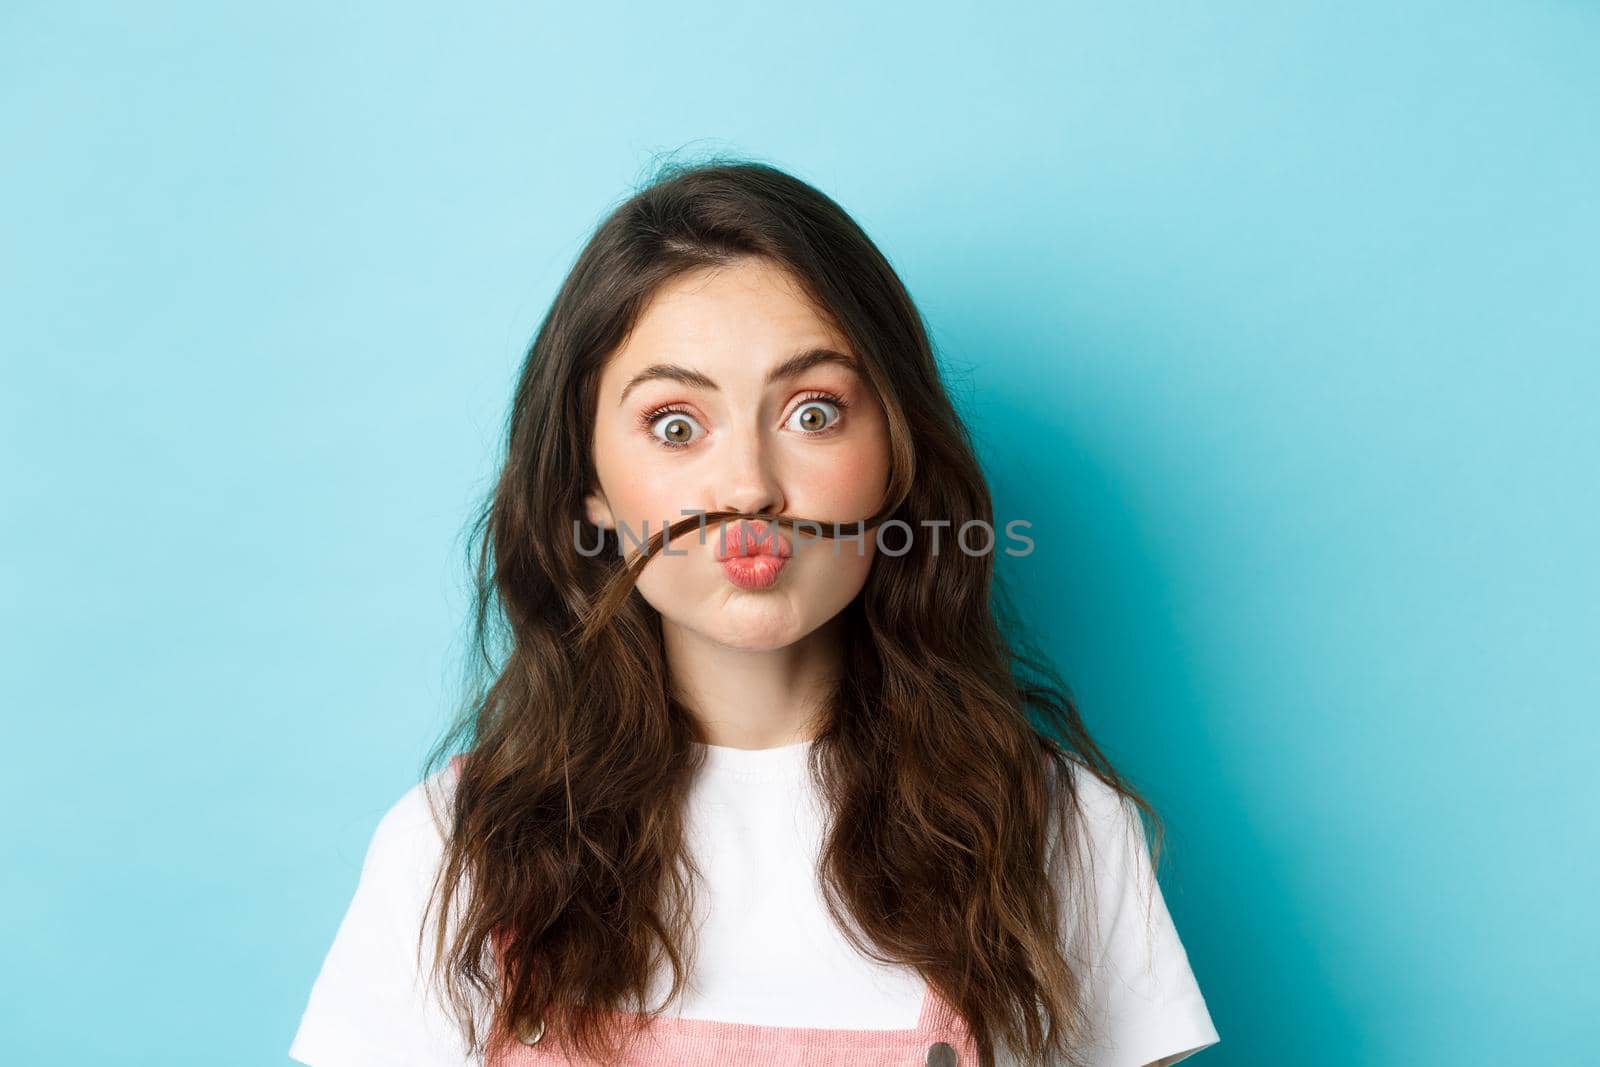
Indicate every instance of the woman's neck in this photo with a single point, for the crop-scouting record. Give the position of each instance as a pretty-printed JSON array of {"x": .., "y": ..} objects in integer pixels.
[{"x": 746, "y": 698}]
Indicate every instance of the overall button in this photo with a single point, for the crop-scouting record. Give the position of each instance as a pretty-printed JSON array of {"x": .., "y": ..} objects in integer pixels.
[
  {"x": 941, "y": 1054},
  {"x": 530, "y": 1035}
]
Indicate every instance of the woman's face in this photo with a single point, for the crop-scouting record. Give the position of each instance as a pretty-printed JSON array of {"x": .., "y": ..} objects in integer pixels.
[{"x": 704, "y": 408}]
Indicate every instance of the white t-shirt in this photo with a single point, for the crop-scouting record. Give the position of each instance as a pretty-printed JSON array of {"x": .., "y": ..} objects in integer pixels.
[{"x": 766, "y": 952}]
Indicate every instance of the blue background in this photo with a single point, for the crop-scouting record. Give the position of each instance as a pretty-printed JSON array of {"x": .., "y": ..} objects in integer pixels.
[{"x": 1278, "y": 320}]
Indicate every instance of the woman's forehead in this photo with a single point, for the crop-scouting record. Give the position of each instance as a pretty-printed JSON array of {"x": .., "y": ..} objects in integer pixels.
[{"x": 743, "y": 318}]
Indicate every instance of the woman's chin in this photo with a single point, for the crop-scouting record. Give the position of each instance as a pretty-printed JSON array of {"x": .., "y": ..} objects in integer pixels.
[
  {"x": 757, "y": 637},
  {"x": 754, "y": 622}
]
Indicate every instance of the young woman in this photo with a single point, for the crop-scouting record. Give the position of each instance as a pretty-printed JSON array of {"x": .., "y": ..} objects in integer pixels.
[{"x": 774, "y": 785}]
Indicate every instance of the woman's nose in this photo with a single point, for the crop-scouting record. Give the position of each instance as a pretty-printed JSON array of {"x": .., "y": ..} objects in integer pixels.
[{"x": 746, "y": 480}]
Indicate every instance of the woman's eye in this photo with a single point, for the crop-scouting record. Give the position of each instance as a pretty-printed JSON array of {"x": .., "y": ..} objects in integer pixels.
[
  {"x": 675, "y": 429},
  {"x": 814, "y": 416}
]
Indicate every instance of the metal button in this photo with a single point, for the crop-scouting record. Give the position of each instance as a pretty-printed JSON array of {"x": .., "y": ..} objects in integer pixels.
[
  {"x": 530, "y": 1035},
  {"x": 941, "y": 1054}
]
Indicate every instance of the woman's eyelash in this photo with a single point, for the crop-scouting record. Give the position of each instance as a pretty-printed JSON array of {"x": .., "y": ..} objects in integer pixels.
[
  {"x": 648, "y": 418},
  {"x": 833, "y": 398}
]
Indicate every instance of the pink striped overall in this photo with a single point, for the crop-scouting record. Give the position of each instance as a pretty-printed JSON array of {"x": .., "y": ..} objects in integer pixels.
[{"x": 939, "y": 1039}]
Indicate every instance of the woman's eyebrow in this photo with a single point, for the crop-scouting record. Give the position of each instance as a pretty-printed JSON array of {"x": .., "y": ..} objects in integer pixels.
[{"x": 795, "y": 365}]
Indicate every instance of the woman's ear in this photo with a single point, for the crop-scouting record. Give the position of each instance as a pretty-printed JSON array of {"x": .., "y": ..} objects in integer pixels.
[{"x": 598, "y": 511}]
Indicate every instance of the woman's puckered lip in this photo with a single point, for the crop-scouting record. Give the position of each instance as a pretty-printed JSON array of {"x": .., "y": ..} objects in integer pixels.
[{"x": 750, "y": 537}]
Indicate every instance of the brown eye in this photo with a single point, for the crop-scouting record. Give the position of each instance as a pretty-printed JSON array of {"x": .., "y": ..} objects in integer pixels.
[
  {"x": 814, "y": 416},
  {"x": 674, "y": 429}
]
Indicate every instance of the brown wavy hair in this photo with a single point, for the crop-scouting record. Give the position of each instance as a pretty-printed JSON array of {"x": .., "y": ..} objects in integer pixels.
[{"x": 944, "y": 753}]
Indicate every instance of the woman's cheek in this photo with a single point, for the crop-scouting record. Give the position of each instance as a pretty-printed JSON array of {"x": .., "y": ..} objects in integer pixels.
[
  {"x": 650, "y": 493},
  {"x": 856, "y": 483}
]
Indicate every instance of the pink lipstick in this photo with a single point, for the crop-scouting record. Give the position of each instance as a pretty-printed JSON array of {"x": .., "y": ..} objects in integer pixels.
[{"x": 753, "y": 554}]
